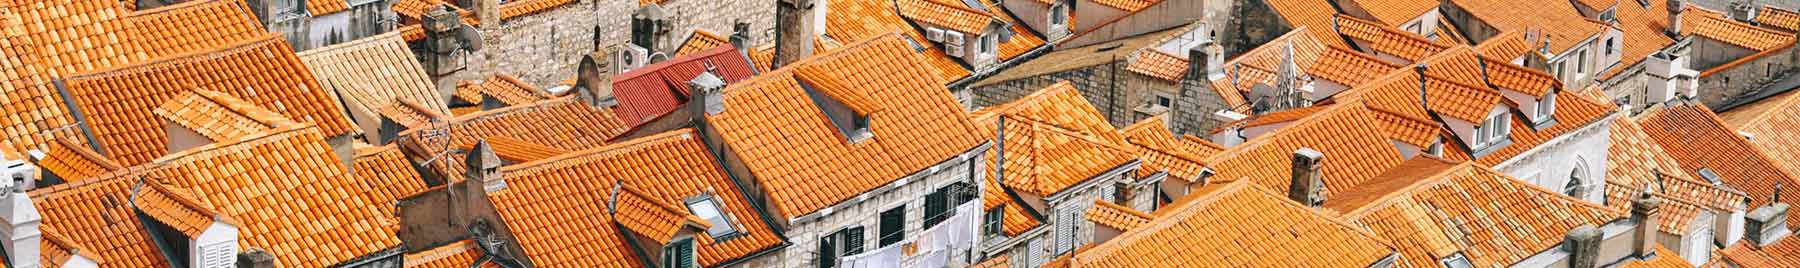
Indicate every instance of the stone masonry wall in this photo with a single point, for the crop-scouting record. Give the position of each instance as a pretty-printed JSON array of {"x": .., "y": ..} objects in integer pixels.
[
  {"x": 804, "y": 237},
  {"x": 544, "y": 48},
  {"x": 1748, "y": 80},
  {"x": 1117, "y": 97}
]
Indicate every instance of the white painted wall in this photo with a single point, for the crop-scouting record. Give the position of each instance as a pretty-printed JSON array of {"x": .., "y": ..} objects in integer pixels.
[
  {"x": 1556, "y": 159},
  {"x": 215, "y": 247},
  {"x": 803, "y": 253}
]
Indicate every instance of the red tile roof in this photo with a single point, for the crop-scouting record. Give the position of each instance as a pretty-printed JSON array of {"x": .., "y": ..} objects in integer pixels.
[
  {"x": 98, "y": 215},
  {"x": 701, "y": 40},
  {"x": 1310, "y": 14},
  {"x": 388, "y": 173},
  {"x": 1782, "y": 253},
  {"x": 1042, "y": 159},
  {"x": 1116, "y": 216},
  {"x": 952, "y": 15},
  {"x": 1155, "y": 63},
  {"x": 1786, "y": 20},
  {"x": 506, "y": 88},
  {"x": 1387, "y": 39},
  {"x": 1491, "y": 218},
  {"x": 74, "y": 161},
  {"x": 217, "y": 116},
  {"x": 1160, "y": 151},
  {"x": 1715, "y": 26},
  {"x": 1394, "y": 13},
  {"x": 372, "y": 72},
  {"x": 118, "y": 102},
  {"x": 176, "y": 208},
  {"x": 194, "y": 26},
  {"x": 654, "y": 219},
  {"x": 1222, "y": 225},
  {"x": 1634, "y": 160},
  {"x": 459, "y": 254},
  {"x": 1507, "y": 46},
  {"x": 852, "y": 21},
  {"x": 1354, "y": 150},
  {"x": 279, "y": 185},
  {"x": 786, "y": 142},
  {"x": 1771, "y": 122},
  {"x": 1644, "y": 29},
  {"x": 1697, "y": 139},
  {"x": 564, "y": 123},
  {"x": 1127, "y": 5},
  {"x": 322, "y": 7},
  {"x": 647, "y": 93},
  {"x": 73, "y": 36}
]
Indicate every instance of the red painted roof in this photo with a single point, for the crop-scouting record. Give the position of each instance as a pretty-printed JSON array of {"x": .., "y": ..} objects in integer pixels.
[{"x": 651, "y": 91}]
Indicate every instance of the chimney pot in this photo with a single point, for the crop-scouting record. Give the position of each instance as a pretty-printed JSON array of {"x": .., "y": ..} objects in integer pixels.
[
  {"x": 706, "y": 89},
  {"x": 21, "y": 217},
  {"x": 1307, "y": 185},
  {"x": 795, "y": 23},
  {"x": 1583, "y": 245},
  {"x": 1675, "y": 8},
  {"x": 483, "y": 167},
  {"x": 1767, "y": 224},
  {"x": 255, "y": 258},
  {"x": 1644, "y": 211}
]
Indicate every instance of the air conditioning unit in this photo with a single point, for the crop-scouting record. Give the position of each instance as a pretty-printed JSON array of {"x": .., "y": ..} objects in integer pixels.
[
  {"x": 953, "y": 38},
  {"x": 631, "y": 57},
  {"x": 934, "y": 34},
  {"x": 954, "y": 50}
]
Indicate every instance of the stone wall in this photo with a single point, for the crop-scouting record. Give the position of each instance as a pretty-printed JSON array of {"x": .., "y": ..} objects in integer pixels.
[
  {"x": 1254, "y": 23},
  {"x": 1749, "y": 79},
  {"x": 544, "y": 48},
  {"x": 804, "y": 237},
  {"x": 1116, "y": 93}
]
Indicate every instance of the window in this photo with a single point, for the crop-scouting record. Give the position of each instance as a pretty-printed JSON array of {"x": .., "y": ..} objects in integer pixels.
[
  {"x": 1163, "y": 101},
  {"x": 1436, "y": 149},
  {"x": 1581, "y": 65},
  {"x": 1456, "y": 260},
  {"x": 1577, "y": 185},
  {"x": 1480, "y": 137},
  {"x": 937, "y": 206},
  {"x": 1068, "y": 227},
  {"x": 1546, "y": 107},
  {"x": 1413, "y": 27},
  {"x": 844, "y": 242},
  {"x": 708, "y": 208},
  {"x": 893, "y": 226},
  {"x": 1059, "y": 15},
  {"x": 1710, "y": 176},
  {"x": 987, "y": 43},
  {"x": 679, "y": 254},
  {"x": 991, "y": 224},
  {"x": 1610, "y": 48}
]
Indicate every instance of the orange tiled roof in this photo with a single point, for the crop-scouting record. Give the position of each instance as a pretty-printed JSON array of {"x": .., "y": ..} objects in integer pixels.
[
  {"x": 506, "y": 88},
  {"x": 415, "y": 9},
  {"x": 1662, "y": 258},
  {"x": 1116, "y": 216},
  {"x": 1023, "y": 40},
  {"x": 411, "y": 115},
  {"x": 701, "y": 40},
  {"x": 322, "y": 7},
  {"x": 1506, "y": 46},
  {"x": 516, "y": 150},
  {"x": 1160, "y": 151},
  {"x": 459, "y": 254},
  {"x": 544, "y": 200},
  {"x": 1216, "y": 228},
  {"x": 1155, "y": 63},
  {"x": 194, "y": 26},
  {"x": 118, "y": 102},
  {"x": 1464, "y": 66},
  {"x": 278, "y": 185},
  {"x": 176, "y": 208},
  {"x": 74, "y": 36},
  {"x": 517, "y": 8},
  {"x": 1697, "y": 139},
  {"x": 1634, "y": 160},
  {"x": 1310, "y": 14},
  {"x": 99, "y": 216},
  {"x": 1042, "y": 159},
  {"x": 372, "y": 72},
  {"x": 1387, "y": 39},
  {"x": 1016, "y": 220},
  {"x": 787, "y": 143},
  {"x": 564, "y": 123},
  {"x": 73, "y": 161},
  {"x": 1491, "y": 218},
  {"x": 655, "y": 219},
  {"x": 1558, "y": 18},
  {"x": 950, "y": 15},
  {"x": 1127, "y": 5},
  {"x": 1782, "y": 253},
  {"x": 1771, "y": 122},
  {"x": 1786, "y": 20},
  {"x": 219, "y": 117},
  {"x": 1712, "y": 25},
  {"x": 1354, "y": 150},
  {"x": 1394, "y": 13},
  {"x": 58, "y": 249},
  {"x": 1335, "y": 64},
  {"x": 1644, "y": 30},
  {"x": 853, "y": 21},
  {"x": 1410, "y": 130},
  {"x": 388, "y": 173}
]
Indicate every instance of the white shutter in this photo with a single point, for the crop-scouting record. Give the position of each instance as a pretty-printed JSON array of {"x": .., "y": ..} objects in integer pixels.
[{"x": 1065, "y": 228}]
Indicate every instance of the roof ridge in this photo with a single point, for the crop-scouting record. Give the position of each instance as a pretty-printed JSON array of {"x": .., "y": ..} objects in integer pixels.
[
  {"x": 1433, "y": 179},
  {"x": 87, "y": 152},
  {"x": 180, "y": 197},
  {"x": 268, "y": 136},
  {"x": 180, "y": 58},
  {"x": 178, "y": 6},
  {"x": 608, "y": 149}
]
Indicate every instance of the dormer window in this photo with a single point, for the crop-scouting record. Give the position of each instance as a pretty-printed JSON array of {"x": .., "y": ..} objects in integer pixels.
[
  {"x": 679, "y": 254},
  {"x": 1492, "y": 131},
  {"x": 706, "y": 207},
  {"x": 1546, "y": 108},
  {"x": 1059, "y": 15},
  {"x": 854, "y": 126},
  {"x": 986, "y": 46},
  {"x": 1456, "y": 260}
]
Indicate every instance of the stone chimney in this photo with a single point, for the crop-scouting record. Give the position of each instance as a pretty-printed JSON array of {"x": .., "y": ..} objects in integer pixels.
[
  {"x": 706, "y": 99},
  {"x": 1205, "y": 62},
  {"x": 484, "y": 167},
  {"x": 23, "y": 241},
  {"x": 1308, "y": 185},
  {"x": 1583, "y": 246},
  {"x": 255, "y": 258},
  {"x": 1745, "y": 10},
  {"x": 1643, "y": 211},
  {"x": 649, "y": 25},
  {"x": 795, "y": 22},
  {"x": 488, "y": 13},
  {"x": 1675, "y": 7},
  {"x": 1768, "y": 223}
]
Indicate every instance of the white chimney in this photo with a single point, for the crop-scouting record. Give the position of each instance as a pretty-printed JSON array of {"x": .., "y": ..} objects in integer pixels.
[
  {"x": 1230, "y": 135},
  {"x": 1669, "y": 77},
  {"x": 23, "y": 239},
  {"x": 215, "y": 247}
]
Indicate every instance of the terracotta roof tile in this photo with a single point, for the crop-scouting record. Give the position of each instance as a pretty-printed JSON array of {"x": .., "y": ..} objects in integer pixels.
[
  {"x": 1786, "y": 20},
  {"x": 647, "y": 93},
  {"x": 1015, "y": 220},
  {"x": 118, "y": 102},
  {"x": 1715, "y": 26},
  {"x": 387, "y": 173},
  {"x": 1160, "y": 151},
  {"x": 1354, "y": 150},
  {"x": 701, "y": 40},
  {"x": 1127, "y": 5},
  {"x": 516, "y": 150},
  {"x": 853, "y": 21},
  {"x": 665, "y": 168},
  {"x": 1644, "y": 29},
  {"x": 564, "y": 123},
  {"x": 1387, "y": 39},
  {"x": 1635, "y": 160},
  {"x": 1310, "y": 14},
  {"x": 1239, "y": 219},
  {"x": 176, "y": 208},
  {"x": 278, "y": 185},
  {"x": 73, "y": 161},
  {"x": 411, "y": 115},
  {"x": 194, "y": 26},
  {"x": 506, "y": 88},
  {"x": 655, "y": 219},
  {"x": 1662, "y": 258},
  {"x": 1782, "y": 253},
  {"x": 1695, "y": 137},
  {"x": 459, "y": 254},
  {"x": 322, "y": 7},
  {"x": 57, "y": 248},
  {"x": 1155, "y": 63},
  {"x": 372, "y": 72},
  {"x": 218, "y": 116},
  {"x": 74, "y": 36},
  {"x": 1559, "y": 19},
  {"x": 98, "y": 215},
  {"x": 952, "y": 16},
  {"x": 516, "y": 8},
  {"x": 1489, "y": 217},
  {"x": 1023, "y": 38},
  {"x": 1770, "y": 121},
  {"x": 414, "y": 9},
  {"x": 1507, "y": 45},
  {"x": 1410, "y": 130},
  {"x": 1116, "y": 216},
  {"x": 1043, "y": 160},
  {"x": 1394, "y": 13},
  {"x": 562, "y": 222},
  {"x": 787, "y": 142}
]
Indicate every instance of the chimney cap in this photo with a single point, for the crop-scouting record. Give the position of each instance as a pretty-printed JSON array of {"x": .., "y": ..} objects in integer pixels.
[
  {"x": 1308, "y": 153},
  {"x": 482, "y": 157}
]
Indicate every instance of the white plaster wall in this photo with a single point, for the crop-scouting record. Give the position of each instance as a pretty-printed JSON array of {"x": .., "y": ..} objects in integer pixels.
[
  {"x": 1557, "y": 158},
  {"x": 867, "y": 213}
]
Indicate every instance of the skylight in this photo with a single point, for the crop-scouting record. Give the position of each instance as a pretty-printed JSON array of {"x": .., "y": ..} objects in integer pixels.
[{"x": 706, "y": 208}]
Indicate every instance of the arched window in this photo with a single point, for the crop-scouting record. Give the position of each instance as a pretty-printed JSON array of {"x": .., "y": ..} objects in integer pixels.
[{"x": 1578, "y": 185}]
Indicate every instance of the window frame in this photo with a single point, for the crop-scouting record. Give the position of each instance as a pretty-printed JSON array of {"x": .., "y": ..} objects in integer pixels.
[
  {"x": 670, "y": 251},
  {"x": 1059, "y": 15},
  {"x": 993, "y": 221},
  {"x": 839, "y": 246},
  {"x": 882, "y": 231},
  {"x": 724, "y": 221}
]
